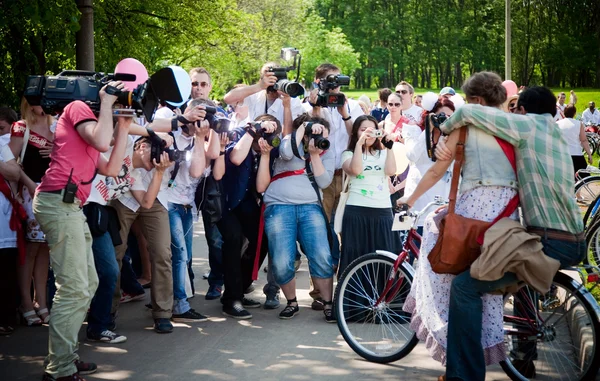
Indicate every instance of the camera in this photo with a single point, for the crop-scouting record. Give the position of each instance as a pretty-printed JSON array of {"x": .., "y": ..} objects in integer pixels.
[
  {"x": 291, "y": 88},
  {"x": 377, "y": 134},
  {"x": 219, "y": 124},
  {"x": 320, "y": 141},
  {"x": 53, "y": 93},
  {"x": 437, "y": 120},
  {"x": 158, "y": 146},
  {"x": 271, "y": 138},
  {"x": 332, "y": 81}
]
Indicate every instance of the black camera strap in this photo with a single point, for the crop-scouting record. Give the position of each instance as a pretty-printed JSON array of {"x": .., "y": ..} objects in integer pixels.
[
  {"x": 176, "y": 166},
  {"x": 311, "y": 178}
]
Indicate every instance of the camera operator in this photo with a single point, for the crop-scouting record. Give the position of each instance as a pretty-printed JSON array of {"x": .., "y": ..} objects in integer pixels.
[
  {"x": 79, "y": 138},
  {"x": 184, "y": 179},
  {"x": 340, "y": 121},
  {"x": 261, "y": 98},
  {"x": 242, "y": 212},
  {"x": 293, "y": 210}
]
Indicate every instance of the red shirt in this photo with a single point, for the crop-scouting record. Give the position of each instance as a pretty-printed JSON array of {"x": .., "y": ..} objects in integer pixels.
[{"x": 71, "y": 152}]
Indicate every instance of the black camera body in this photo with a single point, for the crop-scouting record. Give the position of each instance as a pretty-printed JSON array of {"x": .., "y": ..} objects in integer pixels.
[
  {"x": 291, "y": 88},
  {"x": 332, "y": 81},
  {"x": 437, "y": 120},
  {"x": 158, "y": 146},
  {"x": 271, "y": 138},
  {"x": 320, "y": 141},
  {"x": 217, "y": 123}
]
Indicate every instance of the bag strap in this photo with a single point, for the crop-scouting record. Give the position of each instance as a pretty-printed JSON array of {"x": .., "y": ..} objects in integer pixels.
[
  {"x": 345, "y": 181},
  {"x": 458, "y": 162},
  {"x": 25, "y": 141},
  {"x": 311, "y": 177}
]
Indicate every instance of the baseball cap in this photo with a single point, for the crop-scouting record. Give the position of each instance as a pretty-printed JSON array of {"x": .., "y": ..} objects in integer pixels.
[{"x": 447, "y": 90}]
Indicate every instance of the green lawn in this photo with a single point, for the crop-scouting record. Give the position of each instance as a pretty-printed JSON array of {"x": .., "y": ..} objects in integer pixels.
[{"x": 584, "y": 96}]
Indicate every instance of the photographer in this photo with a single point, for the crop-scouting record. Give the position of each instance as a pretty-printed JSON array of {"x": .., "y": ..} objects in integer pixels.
[
  {"x": 262, "y": 98},
  {"x": 241, "y": 212},
  {"x": 293, "y": 211},
  {"x": 340, "y": 121},
  {"x": 79, "y": 138}
]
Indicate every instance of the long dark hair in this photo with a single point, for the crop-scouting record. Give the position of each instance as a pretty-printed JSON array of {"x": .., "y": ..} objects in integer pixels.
[
  {"x": 441, "y": 102},
  {"x": 377, "y": 146}
]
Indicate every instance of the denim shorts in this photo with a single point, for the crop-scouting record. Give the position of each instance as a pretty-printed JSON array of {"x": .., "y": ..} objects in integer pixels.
[{"x": 287, "y": 223}]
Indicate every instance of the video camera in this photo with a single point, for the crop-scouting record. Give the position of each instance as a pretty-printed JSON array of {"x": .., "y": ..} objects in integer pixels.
[
  {"x": 332, "y": 81},
  {"x": 53, "y": 93},
  {"x": 291, "y": 88},
  {"x": 158, "y": 146}
]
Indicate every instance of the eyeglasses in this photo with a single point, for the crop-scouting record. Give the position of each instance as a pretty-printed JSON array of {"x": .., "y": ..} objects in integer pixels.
[
  {"x": 202, "y": 84},
  {"x": 403, "y": 92},
  {"x": 394, "y": 104}
]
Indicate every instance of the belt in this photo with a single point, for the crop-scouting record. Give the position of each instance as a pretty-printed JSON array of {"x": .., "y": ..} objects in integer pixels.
[
  {"x": 556, "y": 234},
  {"x": 338, "y": 172}
]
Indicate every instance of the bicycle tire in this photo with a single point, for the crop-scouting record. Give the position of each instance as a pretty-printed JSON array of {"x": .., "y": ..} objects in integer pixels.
[
  {"x": 592, "y": 238},
  {"x": 563, "y": 350},
  {"x": 382, "y": 321},
  {"x": 588, "y": 212},
  {"x": 587, "y": 189}
]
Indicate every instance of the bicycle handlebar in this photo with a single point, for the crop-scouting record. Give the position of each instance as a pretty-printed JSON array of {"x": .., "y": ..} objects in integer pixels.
[{"x": 438, "y": 201}]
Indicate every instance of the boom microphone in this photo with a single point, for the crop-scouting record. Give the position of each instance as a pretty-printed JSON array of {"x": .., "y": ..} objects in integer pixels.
[{"x": 124, "y": 77}]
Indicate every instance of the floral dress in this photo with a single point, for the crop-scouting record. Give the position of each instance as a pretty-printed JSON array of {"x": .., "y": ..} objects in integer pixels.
[{"x": 429, "y": 297}]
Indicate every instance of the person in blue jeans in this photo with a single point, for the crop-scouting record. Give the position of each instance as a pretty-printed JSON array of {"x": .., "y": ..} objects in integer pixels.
[
  {"x": 550, "y": 212},
  {"x": 293, "y": 211}
]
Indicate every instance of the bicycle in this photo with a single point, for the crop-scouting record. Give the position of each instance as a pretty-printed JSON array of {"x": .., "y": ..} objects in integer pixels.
[{"x": 372, "y": 290}]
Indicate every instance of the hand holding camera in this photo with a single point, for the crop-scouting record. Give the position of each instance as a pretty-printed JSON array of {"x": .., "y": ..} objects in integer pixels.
[
  {"x": 368, "y": 133},
  {"x": 163, "y": 162},
  {"x": 109, "y": 93},
  {"x": 196, "y": 113},
  {"x": 268, "y": 79},
  {"x": 202, "y": 129},
  {"x": 317, "y": 136},
  {"x": 223, "y": 140},
  {"x": 265, "y": 147}
]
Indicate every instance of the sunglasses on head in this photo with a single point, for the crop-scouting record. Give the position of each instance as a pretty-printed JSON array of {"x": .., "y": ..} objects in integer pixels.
[
  {"x": 394, "y": 104},
  {"x": 202, "y": 84}
]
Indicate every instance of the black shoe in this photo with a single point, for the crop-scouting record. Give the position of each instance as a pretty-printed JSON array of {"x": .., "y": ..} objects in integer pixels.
[
  {"x": 163, "y": 325},
  {"x": 236, "y": 311},
  {"x": 329, "y": 313},
  {"x": 190, "y": 316},
  {"x": 214, "y": 292},
  {"x": 526, "y": 368},
  {"x": 249, "y": 290},
  {"x": 73, "y": 377},
  {"x": 250, "y": 303},
  {"x": 85, "y": 367},
  {"x": 289, "y": 312}
]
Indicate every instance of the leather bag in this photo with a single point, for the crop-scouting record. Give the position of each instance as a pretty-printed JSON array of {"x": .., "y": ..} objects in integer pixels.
[{"x": 460, "y": 238}]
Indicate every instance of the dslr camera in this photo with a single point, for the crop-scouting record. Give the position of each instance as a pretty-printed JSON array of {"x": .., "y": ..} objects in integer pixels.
[
  {"x": 272, "y": 138},
  {"x": 219, "y": 124},
  {"x": 291, "y": 88},
  {"x": 325, "y": 98},
  {"x": 158, "y": 146},
  {"x": 53, "y": 93},
  {"x": 437, "y": 120},
  {"x": 320, "y": 141}
]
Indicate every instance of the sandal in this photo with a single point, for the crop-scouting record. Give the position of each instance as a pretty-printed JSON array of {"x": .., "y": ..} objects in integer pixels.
[
  {"x": 44, "y": 315},
  {"x": 31, "y": 319},
  {"x": 6, "y": 330}
]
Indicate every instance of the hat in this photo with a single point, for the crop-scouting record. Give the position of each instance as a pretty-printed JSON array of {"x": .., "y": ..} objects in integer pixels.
[{"x": 447, "y": 90}]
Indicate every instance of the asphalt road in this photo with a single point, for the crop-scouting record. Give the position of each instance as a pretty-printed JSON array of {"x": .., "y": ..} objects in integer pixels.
[{"x": 221, "y": 349}]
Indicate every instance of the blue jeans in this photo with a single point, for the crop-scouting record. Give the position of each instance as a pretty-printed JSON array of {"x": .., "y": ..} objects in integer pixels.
[
  {"x": 181, "y": 220},
  {"x": 465, "y": 359},
  {"x": 105, "y": 260},
  {"x": 284, "y": 225},
  {"x": 214, "y": 242}
]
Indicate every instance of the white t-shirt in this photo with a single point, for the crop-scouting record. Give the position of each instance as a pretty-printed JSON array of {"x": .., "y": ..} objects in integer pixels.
[
  {"x": 413, "y": 113},
  {"x": 370, "y": 188},
  {"x": 588, "y": 116},
  {"x": 8, "y": 237},
  {"x": 570, "y": 129},
  {"x": 257, "y": 105},
  {"x": 183, "y": 189},
  {"x": 105, "y": 189}
]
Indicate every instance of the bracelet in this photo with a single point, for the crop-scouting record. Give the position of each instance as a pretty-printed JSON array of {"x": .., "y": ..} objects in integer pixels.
[
  {"x": 346, "y": 119},
  {"x": 221, "y": 153}
]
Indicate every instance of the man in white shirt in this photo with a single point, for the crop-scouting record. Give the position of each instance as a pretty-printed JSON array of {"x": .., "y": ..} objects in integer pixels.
[
  {"x": 261, "y": 98},
  {"x": 591, "y": 115},
  {"x": 409, "y": 110}
]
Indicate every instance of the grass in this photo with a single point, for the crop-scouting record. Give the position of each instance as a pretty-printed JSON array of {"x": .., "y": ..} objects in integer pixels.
[{"x": 584, "y": 95}]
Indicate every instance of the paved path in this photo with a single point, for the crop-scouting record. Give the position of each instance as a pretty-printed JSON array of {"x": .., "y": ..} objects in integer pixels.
[{"x": 222, "y": 349}]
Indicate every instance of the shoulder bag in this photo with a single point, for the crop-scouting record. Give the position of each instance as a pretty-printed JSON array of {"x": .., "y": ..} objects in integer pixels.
[{"x": 339, "y": 211}]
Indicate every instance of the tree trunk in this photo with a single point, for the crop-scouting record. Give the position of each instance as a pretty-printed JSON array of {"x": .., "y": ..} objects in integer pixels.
[{"x": 84, "y": 39}]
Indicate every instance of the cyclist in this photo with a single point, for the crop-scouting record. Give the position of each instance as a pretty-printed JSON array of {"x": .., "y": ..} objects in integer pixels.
[{"x": 549, "y": 211}]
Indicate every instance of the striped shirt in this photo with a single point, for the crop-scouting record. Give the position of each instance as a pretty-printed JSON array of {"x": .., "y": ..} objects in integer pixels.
[{"x": 544, "y": 165}]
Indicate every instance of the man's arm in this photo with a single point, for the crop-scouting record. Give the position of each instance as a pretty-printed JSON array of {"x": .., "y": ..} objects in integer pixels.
[
  {"x": 241, "y": 93},
  {"x": 198, "y": 162},
  {"x": 192, "y": 114},
  {"x": 510, "y": 127}
]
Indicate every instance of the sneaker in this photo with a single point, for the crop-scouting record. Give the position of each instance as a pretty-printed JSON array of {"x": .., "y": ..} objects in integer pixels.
[
  {"x": 250, "y": 303},
  {"x": 317, "y": 305},
  {"x": 272, "y": 301},
  {"x": 190, "y": 316},
  {"x": 126, "y": 298},
  {"x": 73, "y": 377},
  {"x": 106, "y": 336},
  {"x": 289, "y": 312},
  {"x": 163, "y": 325},
  {"x": 85, "y": 367},
  {"x": 329, "y": 315},
  {"x": 214, "y": 292},
  {"x": 236, "y": 311}
]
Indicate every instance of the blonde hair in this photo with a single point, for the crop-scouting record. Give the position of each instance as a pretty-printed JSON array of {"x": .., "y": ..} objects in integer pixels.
[{"x": 29, "y": 116}]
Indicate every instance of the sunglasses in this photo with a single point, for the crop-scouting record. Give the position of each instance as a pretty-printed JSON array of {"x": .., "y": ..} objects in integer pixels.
[
  {"x": 202, "y": 84},
  {"x": 403, "y": 92},
  {"x": 394, "y": 104}
]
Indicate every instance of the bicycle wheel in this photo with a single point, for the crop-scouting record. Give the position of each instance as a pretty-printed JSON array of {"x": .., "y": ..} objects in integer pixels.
[
  {"x": 591, "y": 211},
  {"x": 554, "y": 336},
  {"x": 587, "y": 189},
  {"x": 592, "y": 237},
  {"x": 378, "y": 333}
]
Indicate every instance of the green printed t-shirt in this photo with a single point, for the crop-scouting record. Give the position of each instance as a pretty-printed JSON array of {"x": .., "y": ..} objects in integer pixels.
[{"x": 370, "y": 188}]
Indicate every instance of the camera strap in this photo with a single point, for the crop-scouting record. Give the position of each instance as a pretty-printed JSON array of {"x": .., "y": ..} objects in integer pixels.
[{"x": 176, "y": 166}]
